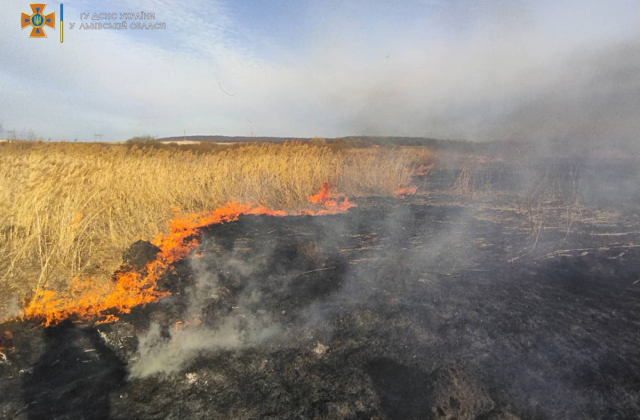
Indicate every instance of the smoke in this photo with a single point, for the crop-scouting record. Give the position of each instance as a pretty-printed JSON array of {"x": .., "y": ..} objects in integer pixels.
[
  {"x": 167, "y": 351},
  {"x": 485, "y": 92},
  {"x": 9, "y": 308},
  {"x": 166, "y": 355},
  {"x": 272, "y": 295},
  {"x": 593, "y": 102},
  {"x": 510, "y": 75}
]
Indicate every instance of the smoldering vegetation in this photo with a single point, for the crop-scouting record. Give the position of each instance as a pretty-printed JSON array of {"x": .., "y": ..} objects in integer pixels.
[{"x": 257, "y": 290}]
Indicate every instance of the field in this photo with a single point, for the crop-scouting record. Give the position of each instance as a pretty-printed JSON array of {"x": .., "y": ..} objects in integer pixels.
[
  {"x": 486, "y": 287},
  {"x": 71, "y": 210}
]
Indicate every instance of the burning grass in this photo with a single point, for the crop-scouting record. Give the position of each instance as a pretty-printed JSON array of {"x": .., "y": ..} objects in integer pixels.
[
  {"x": 95, "y": 299},
  {"x": 70, "y": 210}
]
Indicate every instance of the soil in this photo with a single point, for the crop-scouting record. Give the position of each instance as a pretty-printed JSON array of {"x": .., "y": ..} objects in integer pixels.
[{"x": 437, "y": 306}]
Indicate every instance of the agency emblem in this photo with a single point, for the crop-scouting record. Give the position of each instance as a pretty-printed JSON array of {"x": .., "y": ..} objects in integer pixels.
[{"x": 37, "y": 20}]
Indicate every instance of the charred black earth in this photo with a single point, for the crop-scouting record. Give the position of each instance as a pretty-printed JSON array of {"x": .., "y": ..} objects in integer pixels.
[{"x": 436, "y": 306}]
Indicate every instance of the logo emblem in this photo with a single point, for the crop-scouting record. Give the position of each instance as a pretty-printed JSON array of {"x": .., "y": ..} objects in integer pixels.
[{"x": 38, "y": 21}]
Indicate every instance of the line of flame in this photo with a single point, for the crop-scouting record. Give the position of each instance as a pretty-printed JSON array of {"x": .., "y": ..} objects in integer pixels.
[{"x": 101, "y": 301}]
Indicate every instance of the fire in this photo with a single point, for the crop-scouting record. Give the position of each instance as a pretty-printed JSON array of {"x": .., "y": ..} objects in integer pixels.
[
  {"x": 89, "y": 299},
  {"x": 321, "y": 196},
  {"x": 424, "y": 169},
  {"x": 182, "y": 325},
  {"x": 332, "y": 205},
  {"x": 403, "y": 192}
]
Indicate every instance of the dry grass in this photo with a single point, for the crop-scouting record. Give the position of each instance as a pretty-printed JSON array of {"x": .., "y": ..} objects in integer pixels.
[{"x": 72, "y": 209}]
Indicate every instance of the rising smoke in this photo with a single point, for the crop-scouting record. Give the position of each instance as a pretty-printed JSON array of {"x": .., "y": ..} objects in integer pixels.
[
  {"x": 9, "y": 308},
  {"x": 273, "y": 296},
  {"x": 240, "y": 327}
]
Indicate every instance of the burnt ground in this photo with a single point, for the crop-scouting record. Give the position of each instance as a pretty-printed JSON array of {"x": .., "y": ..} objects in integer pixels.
[{"x": 436, "y": 306}]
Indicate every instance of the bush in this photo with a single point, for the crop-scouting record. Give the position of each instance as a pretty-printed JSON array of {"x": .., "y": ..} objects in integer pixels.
[{"x": 142, "y": 140}]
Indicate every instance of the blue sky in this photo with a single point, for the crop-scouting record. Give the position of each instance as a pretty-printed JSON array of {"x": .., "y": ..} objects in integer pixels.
[{"x": 300, "y": 68}]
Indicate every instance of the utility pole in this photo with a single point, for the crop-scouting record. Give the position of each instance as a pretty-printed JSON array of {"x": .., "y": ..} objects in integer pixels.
[{"x": 251, "y": 125}]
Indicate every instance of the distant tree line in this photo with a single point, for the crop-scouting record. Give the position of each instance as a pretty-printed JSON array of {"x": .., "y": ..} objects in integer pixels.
[{"x": 142, "y": 140}]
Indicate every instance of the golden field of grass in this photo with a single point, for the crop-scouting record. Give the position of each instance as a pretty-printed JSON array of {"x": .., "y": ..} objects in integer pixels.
[{"x": 70, "y": 210}]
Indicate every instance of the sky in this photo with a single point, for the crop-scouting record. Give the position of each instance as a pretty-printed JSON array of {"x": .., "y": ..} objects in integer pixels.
[{"x": 463, "y": 69}]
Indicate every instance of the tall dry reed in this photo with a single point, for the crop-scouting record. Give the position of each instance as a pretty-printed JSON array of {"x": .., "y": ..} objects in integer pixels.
[{"x": 70, "y": 210}]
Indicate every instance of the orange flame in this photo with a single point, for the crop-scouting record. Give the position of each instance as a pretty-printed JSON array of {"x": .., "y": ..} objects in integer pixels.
[
  {"x": 331, "y": 205},
  {"x": 403, "y": 192},
  {"x": 90, "y": 299},
  {"x": 321, "y": 196},
  {"x": 424, "y": 169}
]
